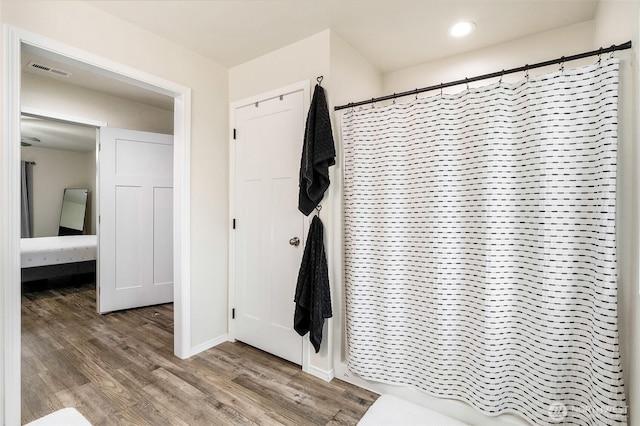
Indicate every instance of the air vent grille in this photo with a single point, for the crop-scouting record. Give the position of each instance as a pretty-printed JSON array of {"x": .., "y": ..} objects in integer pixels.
[{"x": 46, "y": 68}]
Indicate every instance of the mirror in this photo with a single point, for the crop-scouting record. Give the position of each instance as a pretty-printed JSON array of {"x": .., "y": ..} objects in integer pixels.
[{"x": 74, "y": 207}]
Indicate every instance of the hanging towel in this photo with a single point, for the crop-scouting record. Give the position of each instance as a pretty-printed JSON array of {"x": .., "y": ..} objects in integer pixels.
[
  {"x": 313, "y": 296},
  {"x": 318, "y": 153}
]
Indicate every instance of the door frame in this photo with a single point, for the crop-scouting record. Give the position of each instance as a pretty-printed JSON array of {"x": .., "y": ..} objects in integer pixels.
[
  {"x": 14, "y": 38},
  {"x": 301, "y": 86}
]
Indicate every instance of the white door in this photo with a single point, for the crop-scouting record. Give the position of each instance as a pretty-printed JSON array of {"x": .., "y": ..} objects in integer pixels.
[
  {"x": 135, "y": 252},
  {"x": 268, "y": 147}
]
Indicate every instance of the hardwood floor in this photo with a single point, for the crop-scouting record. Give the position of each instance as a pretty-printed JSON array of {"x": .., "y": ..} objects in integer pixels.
[{"x": 119, "y": 369}]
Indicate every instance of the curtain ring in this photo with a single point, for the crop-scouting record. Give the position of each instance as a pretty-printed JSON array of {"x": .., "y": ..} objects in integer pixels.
[
  {"x": 599, "y": 56},
  {"x": 562, "y": 65},
  {"x": 500, "y": 81},
  {"x": 526, "y": 72},
  {"x": 441, "y": 85},
  {"x": 416, "y": 94},
  {"x": 394, "y": 99},
  {"x": 613, "y": 46},
  {"x": 466, "y": 80},
  {"x": 373, "y": 103}
]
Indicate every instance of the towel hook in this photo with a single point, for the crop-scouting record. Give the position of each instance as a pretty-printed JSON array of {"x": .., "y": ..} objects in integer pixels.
[{"x": 319, "y": 80}]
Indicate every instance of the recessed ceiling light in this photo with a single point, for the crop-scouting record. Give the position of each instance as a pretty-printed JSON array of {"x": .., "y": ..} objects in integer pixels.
[{"x": 462, "y": 29}]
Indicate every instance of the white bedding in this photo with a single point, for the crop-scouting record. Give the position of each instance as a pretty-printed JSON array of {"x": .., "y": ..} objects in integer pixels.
[{"x": 56, "y": 250}]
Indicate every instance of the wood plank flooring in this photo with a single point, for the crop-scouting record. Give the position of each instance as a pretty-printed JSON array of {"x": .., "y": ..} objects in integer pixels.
[{"x": 119, "y": 369}]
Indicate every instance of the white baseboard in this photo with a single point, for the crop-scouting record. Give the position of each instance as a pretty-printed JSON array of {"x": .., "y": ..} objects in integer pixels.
[
  {"x": 326, "y": 375},
  {"x": 209, "y": 344}
]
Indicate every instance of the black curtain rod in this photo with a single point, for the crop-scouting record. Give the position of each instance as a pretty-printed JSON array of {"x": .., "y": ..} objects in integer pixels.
[{"x": 560, "y": 60}]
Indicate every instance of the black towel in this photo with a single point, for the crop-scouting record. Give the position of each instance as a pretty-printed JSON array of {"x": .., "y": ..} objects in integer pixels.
[
  {"x": 313, "y": 296},
  {"x": 318, "y": 153}
]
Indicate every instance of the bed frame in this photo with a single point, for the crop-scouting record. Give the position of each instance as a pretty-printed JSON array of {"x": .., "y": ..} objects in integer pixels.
[{"x": 57, "y": 271}]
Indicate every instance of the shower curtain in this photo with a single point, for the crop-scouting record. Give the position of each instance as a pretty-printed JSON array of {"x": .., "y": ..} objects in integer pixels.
[
  {"x": 480, "y": 250},
  {"x": 26, "y": 192}
]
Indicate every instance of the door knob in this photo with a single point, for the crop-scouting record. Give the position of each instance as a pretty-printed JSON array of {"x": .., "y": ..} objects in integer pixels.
[{"x": 295, "y": 241}]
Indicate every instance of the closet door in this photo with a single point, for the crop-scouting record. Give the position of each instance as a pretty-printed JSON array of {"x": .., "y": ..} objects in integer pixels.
[{"x": 269, "y": 234}]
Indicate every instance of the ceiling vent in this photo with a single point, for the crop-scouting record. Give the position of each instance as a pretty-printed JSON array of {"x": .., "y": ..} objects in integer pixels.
[{"x": 46, "y": 68}]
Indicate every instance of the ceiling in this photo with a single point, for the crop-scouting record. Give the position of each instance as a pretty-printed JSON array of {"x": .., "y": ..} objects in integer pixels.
[
  {"x": 391, "y": 34},
  {"x": 52, "y": 134},
  {"x": 69, "y": 71}
]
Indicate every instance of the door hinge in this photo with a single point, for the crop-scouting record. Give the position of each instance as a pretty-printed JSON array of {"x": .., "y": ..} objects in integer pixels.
[
  {"x": 99, "y": 217},
  {"x": 233, "y": 313},
  {"x": 99, "y": 147},
  {"x": 234, "y": 134},
  {"x": 234, "y": 224}
]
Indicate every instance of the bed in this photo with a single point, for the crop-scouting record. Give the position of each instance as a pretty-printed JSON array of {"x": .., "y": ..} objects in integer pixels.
[{"x": 53, "y": 257}]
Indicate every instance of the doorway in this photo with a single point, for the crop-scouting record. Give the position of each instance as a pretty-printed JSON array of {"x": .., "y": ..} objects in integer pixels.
[{"x": 15, "y": 40}]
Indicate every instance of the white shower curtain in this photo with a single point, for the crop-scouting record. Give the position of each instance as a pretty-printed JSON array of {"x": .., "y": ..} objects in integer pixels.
[{"x": 480, "y": 249}]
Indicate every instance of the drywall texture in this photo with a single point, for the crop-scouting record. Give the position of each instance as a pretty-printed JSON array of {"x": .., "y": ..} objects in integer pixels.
[{"x": 54, "y": 171}]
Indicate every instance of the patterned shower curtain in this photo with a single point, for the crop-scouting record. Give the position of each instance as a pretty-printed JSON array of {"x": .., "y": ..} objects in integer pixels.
[{"x": 480, "y": 246}]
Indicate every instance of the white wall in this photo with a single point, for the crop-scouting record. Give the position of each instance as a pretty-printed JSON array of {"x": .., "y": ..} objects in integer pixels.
[
  {"x": 352, "y": 78},
  {"x": 303, "y": 60},
  {"x": 54, "y": 96},
  {"x": 541, "y": 47},
  {"x": 343, "y": 70},
  {"x": 346, "y": 74},
  {"x": 48, "y": 95},
  {"x": 84, "y": 27},
  {"x": 616, "y": 22},
  {"x": 54, "y": 171}
]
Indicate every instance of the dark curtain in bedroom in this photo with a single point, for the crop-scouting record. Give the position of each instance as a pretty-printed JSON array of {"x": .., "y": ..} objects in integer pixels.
[{"x": 27, "y": 200}]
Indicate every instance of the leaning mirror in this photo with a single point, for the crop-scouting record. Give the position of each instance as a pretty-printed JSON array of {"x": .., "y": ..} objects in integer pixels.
[{"x": 74, "y": 207}]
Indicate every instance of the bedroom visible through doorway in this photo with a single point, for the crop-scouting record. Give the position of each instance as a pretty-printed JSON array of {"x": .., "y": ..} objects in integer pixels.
[{"x": 15, "y": 41}]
